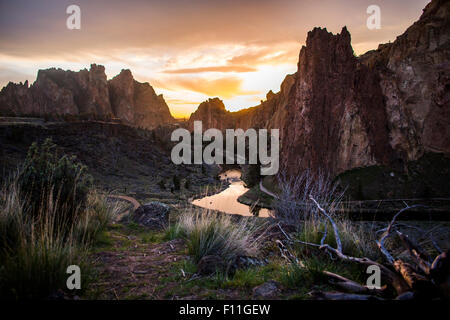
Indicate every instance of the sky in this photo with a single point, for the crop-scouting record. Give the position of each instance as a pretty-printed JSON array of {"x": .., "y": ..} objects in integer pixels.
[{"x": 188, "y": 50}]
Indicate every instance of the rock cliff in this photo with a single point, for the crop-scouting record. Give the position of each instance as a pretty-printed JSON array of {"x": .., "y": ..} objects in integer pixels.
[
  {"x": 337, "y": 114},
  {"x": 89, "y": 94},
  {"x": 137, "y": 103}
]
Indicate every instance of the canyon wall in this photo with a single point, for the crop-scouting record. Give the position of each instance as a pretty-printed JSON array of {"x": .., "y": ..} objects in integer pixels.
[{"x": 87, "y": 93}]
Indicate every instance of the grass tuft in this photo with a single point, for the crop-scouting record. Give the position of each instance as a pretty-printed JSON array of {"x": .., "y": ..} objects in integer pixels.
[{"x": 209, "y": 233}]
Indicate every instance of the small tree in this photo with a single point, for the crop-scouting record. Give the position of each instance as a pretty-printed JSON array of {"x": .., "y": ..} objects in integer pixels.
[{"x": 46, "y": 177}]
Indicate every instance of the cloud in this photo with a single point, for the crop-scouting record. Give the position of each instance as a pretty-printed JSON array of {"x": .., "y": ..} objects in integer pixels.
[
  {"x": 282, "y": 53},
  {"x": 231, "y": 68},
  {"x": 225, "y": 87},
  {"x": 39, "y": 27},
  {"x": 182, "y": 102}
]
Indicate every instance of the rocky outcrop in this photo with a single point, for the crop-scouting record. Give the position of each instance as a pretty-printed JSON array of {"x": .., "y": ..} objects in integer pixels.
[
  {"x": 387, "y": 107},
  {"x": 57, "y": 91},
  {"x": 414, "y": 74},
  {"x": 137, "y": 103},
  {"x": 87, "y": 93},
  {"x": 212, "y": 113},
  {"x": 271, "y": 113},
  {"x": 337, "y": 115}
]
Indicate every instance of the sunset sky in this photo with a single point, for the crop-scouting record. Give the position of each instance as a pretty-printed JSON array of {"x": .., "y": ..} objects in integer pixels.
[{"x": 188, "y": 50}]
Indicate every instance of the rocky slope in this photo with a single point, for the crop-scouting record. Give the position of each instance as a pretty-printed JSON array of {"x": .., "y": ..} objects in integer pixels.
[{"x": 89, "y": 94}]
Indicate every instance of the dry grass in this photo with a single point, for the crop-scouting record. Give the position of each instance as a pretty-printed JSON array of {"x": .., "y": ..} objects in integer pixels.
[
  {"x": 35, "y": 251},
  {"x": 294, "y": 204},
  {"x": 210, "y": 233}
]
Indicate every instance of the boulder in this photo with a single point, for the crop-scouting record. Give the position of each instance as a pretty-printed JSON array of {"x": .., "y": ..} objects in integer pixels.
[
  {"x": 154, "y": 215},
  {"x": 211, "y": 264},
  {"x": 268, "y": 290}
]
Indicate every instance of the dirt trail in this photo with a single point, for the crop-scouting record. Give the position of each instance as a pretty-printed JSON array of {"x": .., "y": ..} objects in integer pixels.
[
  {"x": 134, "y": 270},
  {"x": 131, "y": 200}
]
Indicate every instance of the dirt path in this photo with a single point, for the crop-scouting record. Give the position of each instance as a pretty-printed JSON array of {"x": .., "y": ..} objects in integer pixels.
[
  {"x": 132, "y": 269},
  {"x": 132, "y": 200}
]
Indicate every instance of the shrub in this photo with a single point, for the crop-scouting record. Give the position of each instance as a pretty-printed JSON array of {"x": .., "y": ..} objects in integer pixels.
[
  {"x": 294, "y": 204},
  {"x": 209, "y": 233},
  {"x": 34, "y": 253},
  {"x": 35, "y": 250},
  {"x": 47, "y": 177}
]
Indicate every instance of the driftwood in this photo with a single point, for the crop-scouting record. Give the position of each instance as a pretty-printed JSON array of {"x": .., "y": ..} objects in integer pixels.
[{"x": 426, "y": 279}]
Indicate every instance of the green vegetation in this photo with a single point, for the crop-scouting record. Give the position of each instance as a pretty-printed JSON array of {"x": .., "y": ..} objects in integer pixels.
[
  {"x": 48, "y": 178},
  {"x": 42, "y": 233}
]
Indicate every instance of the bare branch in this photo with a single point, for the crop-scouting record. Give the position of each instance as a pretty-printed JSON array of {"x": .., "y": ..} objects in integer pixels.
[
  {"x": 336, "y": 232},
  {"x": 380, "y": 243}
]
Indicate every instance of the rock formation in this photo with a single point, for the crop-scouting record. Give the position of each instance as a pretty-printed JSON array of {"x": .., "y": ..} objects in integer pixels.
[
  {"x": 212, "y": 113},
  {"x": 339, "y": 112},
  {"x": 337, "y": 116},
  {"x": 414, "y": 74},
  {"x": 137, "y": 103},
  {"x": 87, "y": 93}
]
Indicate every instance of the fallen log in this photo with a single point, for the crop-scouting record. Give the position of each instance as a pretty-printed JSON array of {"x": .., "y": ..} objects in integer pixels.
[
  {"x": 415, "y": 281},
  {"x": 416, "y": 252},
  {"x": 349, "y": 285}
]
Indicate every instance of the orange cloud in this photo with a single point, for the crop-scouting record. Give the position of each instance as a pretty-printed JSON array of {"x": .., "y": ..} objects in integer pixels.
[
  {"x": 182, "y": 102},
  {"x": 269, "y": 56},
  {"x": 213, "y": 69},
  {"x": 225, "y": 88}
]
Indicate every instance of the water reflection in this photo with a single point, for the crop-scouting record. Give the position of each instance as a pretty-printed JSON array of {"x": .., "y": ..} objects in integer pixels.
[{"x": 226, "y": 201}]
